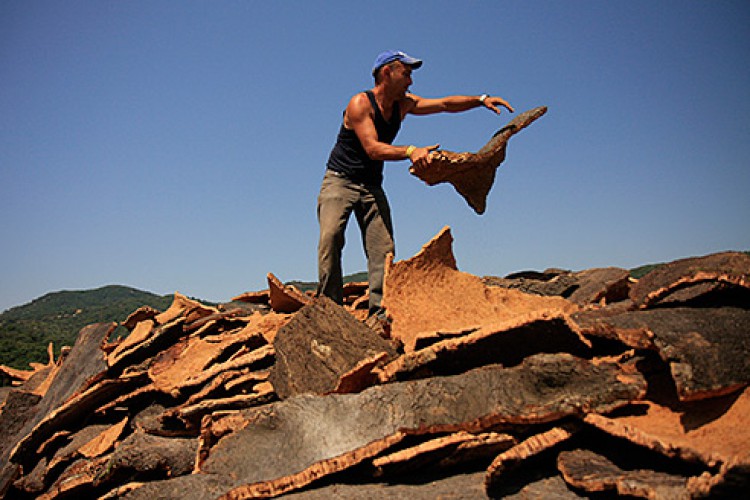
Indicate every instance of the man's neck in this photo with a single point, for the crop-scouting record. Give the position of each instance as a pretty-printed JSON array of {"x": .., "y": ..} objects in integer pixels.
[{"x": 384, "y": 98}]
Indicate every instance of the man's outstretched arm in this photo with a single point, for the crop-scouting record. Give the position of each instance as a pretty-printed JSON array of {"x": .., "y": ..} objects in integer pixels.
[{"x": 454, "y": 104}]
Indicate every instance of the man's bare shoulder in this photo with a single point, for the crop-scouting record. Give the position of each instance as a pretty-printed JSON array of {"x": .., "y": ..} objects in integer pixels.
[
  {"x": 357, "y": 110},
  {"x": 358, "y": 103}
]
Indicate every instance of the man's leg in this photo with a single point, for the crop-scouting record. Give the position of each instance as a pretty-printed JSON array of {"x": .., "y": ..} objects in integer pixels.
[
  {"x": 374, "y": 218},
  {"x": 335, "y": 204}
]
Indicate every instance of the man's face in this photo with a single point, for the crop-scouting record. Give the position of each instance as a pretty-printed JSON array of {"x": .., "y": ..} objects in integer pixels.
[{"x": 401, "y": 78}]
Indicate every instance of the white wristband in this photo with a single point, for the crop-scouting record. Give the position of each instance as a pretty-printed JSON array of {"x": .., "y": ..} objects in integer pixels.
[{"x": 482, "y": 98}]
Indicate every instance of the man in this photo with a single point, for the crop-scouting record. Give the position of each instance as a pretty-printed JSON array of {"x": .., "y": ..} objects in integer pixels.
[{"x": 354, "y": 174}]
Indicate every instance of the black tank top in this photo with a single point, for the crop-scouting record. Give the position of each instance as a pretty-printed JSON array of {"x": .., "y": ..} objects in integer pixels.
[{"x": 349, "y": 158}]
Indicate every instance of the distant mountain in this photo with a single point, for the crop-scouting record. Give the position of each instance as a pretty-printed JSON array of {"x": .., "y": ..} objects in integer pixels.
[{"x": 25, "y": 331}]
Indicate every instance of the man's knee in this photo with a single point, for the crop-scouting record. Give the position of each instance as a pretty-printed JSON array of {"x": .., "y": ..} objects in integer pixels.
[{"x": 330, "y": 239}]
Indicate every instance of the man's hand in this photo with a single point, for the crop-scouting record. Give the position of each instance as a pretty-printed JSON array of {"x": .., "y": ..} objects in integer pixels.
[
  {"x": 421, "y": 157},
  {"x": 493, "y": 103}
]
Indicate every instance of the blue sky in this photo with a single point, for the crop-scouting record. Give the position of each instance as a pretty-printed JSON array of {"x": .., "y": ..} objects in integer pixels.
[{"x": 179, "y": 146}]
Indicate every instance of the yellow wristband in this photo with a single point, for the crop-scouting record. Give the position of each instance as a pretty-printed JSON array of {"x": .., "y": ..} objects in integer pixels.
[{"x": 409, "y": 151}]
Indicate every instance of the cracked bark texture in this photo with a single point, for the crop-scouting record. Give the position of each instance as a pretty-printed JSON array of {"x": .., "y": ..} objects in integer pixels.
[{"x": 309, "y": 437}]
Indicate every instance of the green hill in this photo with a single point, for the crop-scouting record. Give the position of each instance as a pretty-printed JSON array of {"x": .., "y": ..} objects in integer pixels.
[
  {"x": 313, "y": 285},
  {"x": 25, "y": 331}
]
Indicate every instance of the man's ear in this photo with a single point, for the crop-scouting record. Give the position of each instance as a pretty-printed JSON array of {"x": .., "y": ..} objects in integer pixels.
[{"x": 386, "y": 70}]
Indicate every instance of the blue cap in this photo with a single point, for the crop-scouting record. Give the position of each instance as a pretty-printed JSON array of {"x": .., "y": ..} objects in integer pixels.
[{"x": 395, "y": 55}]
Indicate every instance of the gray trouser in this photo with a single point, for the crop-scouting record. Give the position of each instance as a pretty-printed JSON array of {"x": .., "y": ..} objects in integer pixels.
[{"x": 338, "y": 198}]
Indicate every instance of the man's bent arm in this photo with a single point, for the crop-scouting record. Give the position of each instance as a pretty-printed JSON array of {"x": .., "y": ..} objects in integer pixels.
[{"x": 359, "y": 118}]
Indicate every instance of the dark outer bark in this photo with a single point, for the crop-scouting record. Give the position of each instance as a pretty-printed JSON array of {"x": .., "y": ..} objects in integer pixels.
[
  {"x": 83, "y": 365},
  {"x": 288, "y": 439},
  {"x": 708, "y": 350},
  {"x": 320, "y": 344},
  {"x": 593, "y": 473},
  {"x": 728, "y": 267}
]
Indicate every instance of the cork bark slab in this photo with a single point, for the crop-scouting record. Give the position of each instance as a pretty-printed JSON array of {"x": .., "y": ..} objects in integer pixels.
[
  {"x": 90, "y": 442},
  {"x": 428, "y": 293},
  {"x": 39, "y": 378},
  {"x": 458, "y": 486},
  {"x": 535, "y": 445},
  {"x": 175, "y": 367},
  {"x": 707, "y": 349},
  {"x": 139, "y": 454},
  {"x": 18, "y": 409},
  {"x": 318, "y": 346},
  {"x": 77, "y": 481},
  {"x": 506, "y": 342},
  {"x": 444, "y": 451},
  {"x": 601, "y": 285},
  {"x": 250, "y": 359},
  {"x": 155, "y": 455},
  {"x": 192, "y": 413},
  {"x": 182, "y": 306},
  {"x": 285, "y": 298},
  {"x": 729, "y": 268},
  {"x": 160, "y": 338},
  {"x": 70, "y": 414},
  {"x": 84, "y": 365},
  {"x": 299, "y": 440},
  {"x": 602, "y": 324},
  {"x": 143, "y": 313},
  {"x": 473, "y": 174},
  {"x": 593, "y": 473},
  {"x": 140, "y": 333},
  {"x": 262, "y": 297},
  {"x": 713, "y": 432}
]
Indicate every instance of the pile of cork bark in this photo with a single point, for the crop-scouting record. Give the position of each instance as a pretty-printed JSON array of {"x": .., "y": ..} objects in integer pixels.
[{"x": 546, "y": 384}]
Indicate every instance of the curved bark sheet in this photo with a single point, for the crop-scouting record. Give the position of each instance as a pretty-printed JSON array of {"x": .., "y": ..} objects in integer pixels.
[
  {"x": 427, "y": 293},
  {"x": 143, "y": 313},
  {"x": 160, "y": 338},
  {"x": 506, "y": 342},
  {"x": 285, "y": 298},
  {"x": 139, "y": 454},
  {"x": 713, "y": 431},
  {"x": 186, "y": 308},
  {"x": 729, "y": 268},
  {"x": 596, "y": 325},
  {"x": 155, "y": 455},
  {"x": 708, "y": 349},
  {"x": 90, "y": 442},
  {"x": 77, "y": 481},
  {"x": 138, "y": 334},
  {"x": 72, "y": 412},
  {"x": 191, "y": 414},
  {"x": 609, "y": 284},
  {"x": 205, "y": 487},
  {"x": 593, "y": 473},
  {"x": 444, "y": 451},
  {"x": 526, "y": 450},
  {"x": 175, "y": 367},
  {"x": 262, "y": 297},
  {"x": 84, "y": 363},
  {"x": 287, "y": 445},
  {"x": 472, "y": 174},
  {"x": 18, "y": 409}
]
